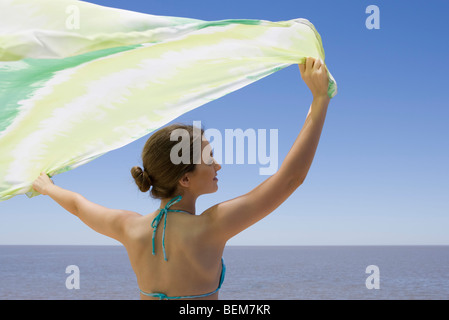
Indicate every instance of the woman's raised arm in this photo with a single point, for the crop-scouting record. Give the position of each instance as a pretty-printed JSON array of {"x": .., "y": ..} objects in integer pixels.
[
  {"x": 233, "y": 216},
  {"x": 109, "y": 222}
]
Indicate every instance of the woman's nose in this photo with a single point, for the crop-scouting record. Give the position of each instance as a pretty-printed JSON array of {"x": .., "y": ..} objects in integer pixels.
[{"x": 217, "y": 165}]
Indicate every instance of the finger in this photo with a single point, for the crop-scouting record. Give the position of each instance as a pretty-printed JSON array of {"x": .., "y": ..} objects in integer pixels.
[
  {"x": 44, "y": 174},
  {"x": 302, "y": 67},
  {"x": 309, "y": 63},
  {"x": 323, "y": 67},
  {"x": 318, "y": 63}
]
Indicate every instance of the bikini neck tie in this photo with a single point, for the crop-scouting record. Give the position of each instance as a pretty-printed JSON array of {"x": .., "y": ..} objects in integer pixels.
[{"x": 158, "y": 218}]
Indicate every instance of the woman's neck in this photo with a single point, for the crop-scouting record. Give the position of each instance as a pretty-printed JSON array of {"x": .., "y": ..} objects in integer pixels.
[{"x": 187, "y": 203}]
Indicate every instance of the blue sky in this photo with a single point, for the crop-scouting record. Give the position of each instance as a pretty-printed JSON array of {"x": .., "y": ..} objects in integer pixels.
[{"x": 380, "y": 175}]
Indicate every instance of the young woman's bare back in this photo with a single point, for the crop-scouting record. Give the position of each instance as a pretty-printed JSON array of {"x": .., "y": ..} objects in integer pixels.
[{"x": 193, "y": 265}]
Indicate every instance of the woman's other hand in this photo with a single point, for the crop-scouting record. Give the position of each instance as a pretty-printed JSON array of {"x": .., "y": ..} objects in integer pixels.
[
  {"x": 42, "y": 183},
  {"x": 314, "y": 73}
]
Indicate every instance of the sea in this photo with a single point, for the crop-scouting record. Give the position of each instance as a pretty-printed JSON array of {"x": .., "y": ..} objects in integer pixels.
[{"x": 253, "y": 273}]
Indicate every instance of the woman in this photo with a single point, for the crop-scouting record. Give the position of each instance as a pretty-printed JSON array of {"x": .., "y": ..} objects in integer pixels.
[{"x": 189, "y": 265}]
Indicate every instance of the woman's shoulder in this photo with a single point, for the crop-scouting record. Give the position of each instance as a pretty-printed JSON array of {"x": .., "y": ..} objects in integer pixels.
[{"x": 134, "y": 223}]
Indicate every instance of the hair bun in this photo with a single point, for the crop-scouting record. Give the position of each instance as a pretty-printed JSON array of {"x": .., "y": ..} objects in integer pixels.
[{"x": 141, "y": 178}]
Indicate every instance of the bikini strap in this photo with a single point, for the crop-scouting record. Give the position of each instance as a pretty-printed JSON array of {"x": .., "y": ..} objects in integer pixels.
[{"x": 158, "y": 218}]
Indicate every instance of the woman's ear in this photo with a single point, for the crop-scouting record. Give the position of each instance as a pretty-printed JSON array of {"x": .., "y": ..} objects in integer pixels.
[{"x": 185, "y": 181}]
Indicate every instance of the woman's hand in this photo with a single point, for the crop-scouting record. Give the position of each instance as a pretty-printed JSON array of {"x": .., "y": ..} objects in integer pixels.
[
  {"x": 314, "y": 74},
  {"x": 42, "y": 183}
]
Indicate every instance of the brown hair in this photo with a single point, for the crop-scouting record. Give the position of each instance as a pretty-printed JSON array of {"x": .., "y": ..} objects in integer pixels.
[{"x": 159, "y": 172}]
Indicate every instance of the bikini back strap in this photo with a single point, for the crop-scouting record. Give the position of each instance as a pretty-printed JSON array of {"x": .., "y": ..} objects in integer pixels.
[{"x": 158, "y": 218}]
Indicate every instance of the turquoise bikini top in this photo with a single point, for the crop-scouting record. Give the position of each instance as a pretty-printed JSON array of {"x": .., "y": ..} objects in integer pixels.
[{"x": 154, "y": 224}]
